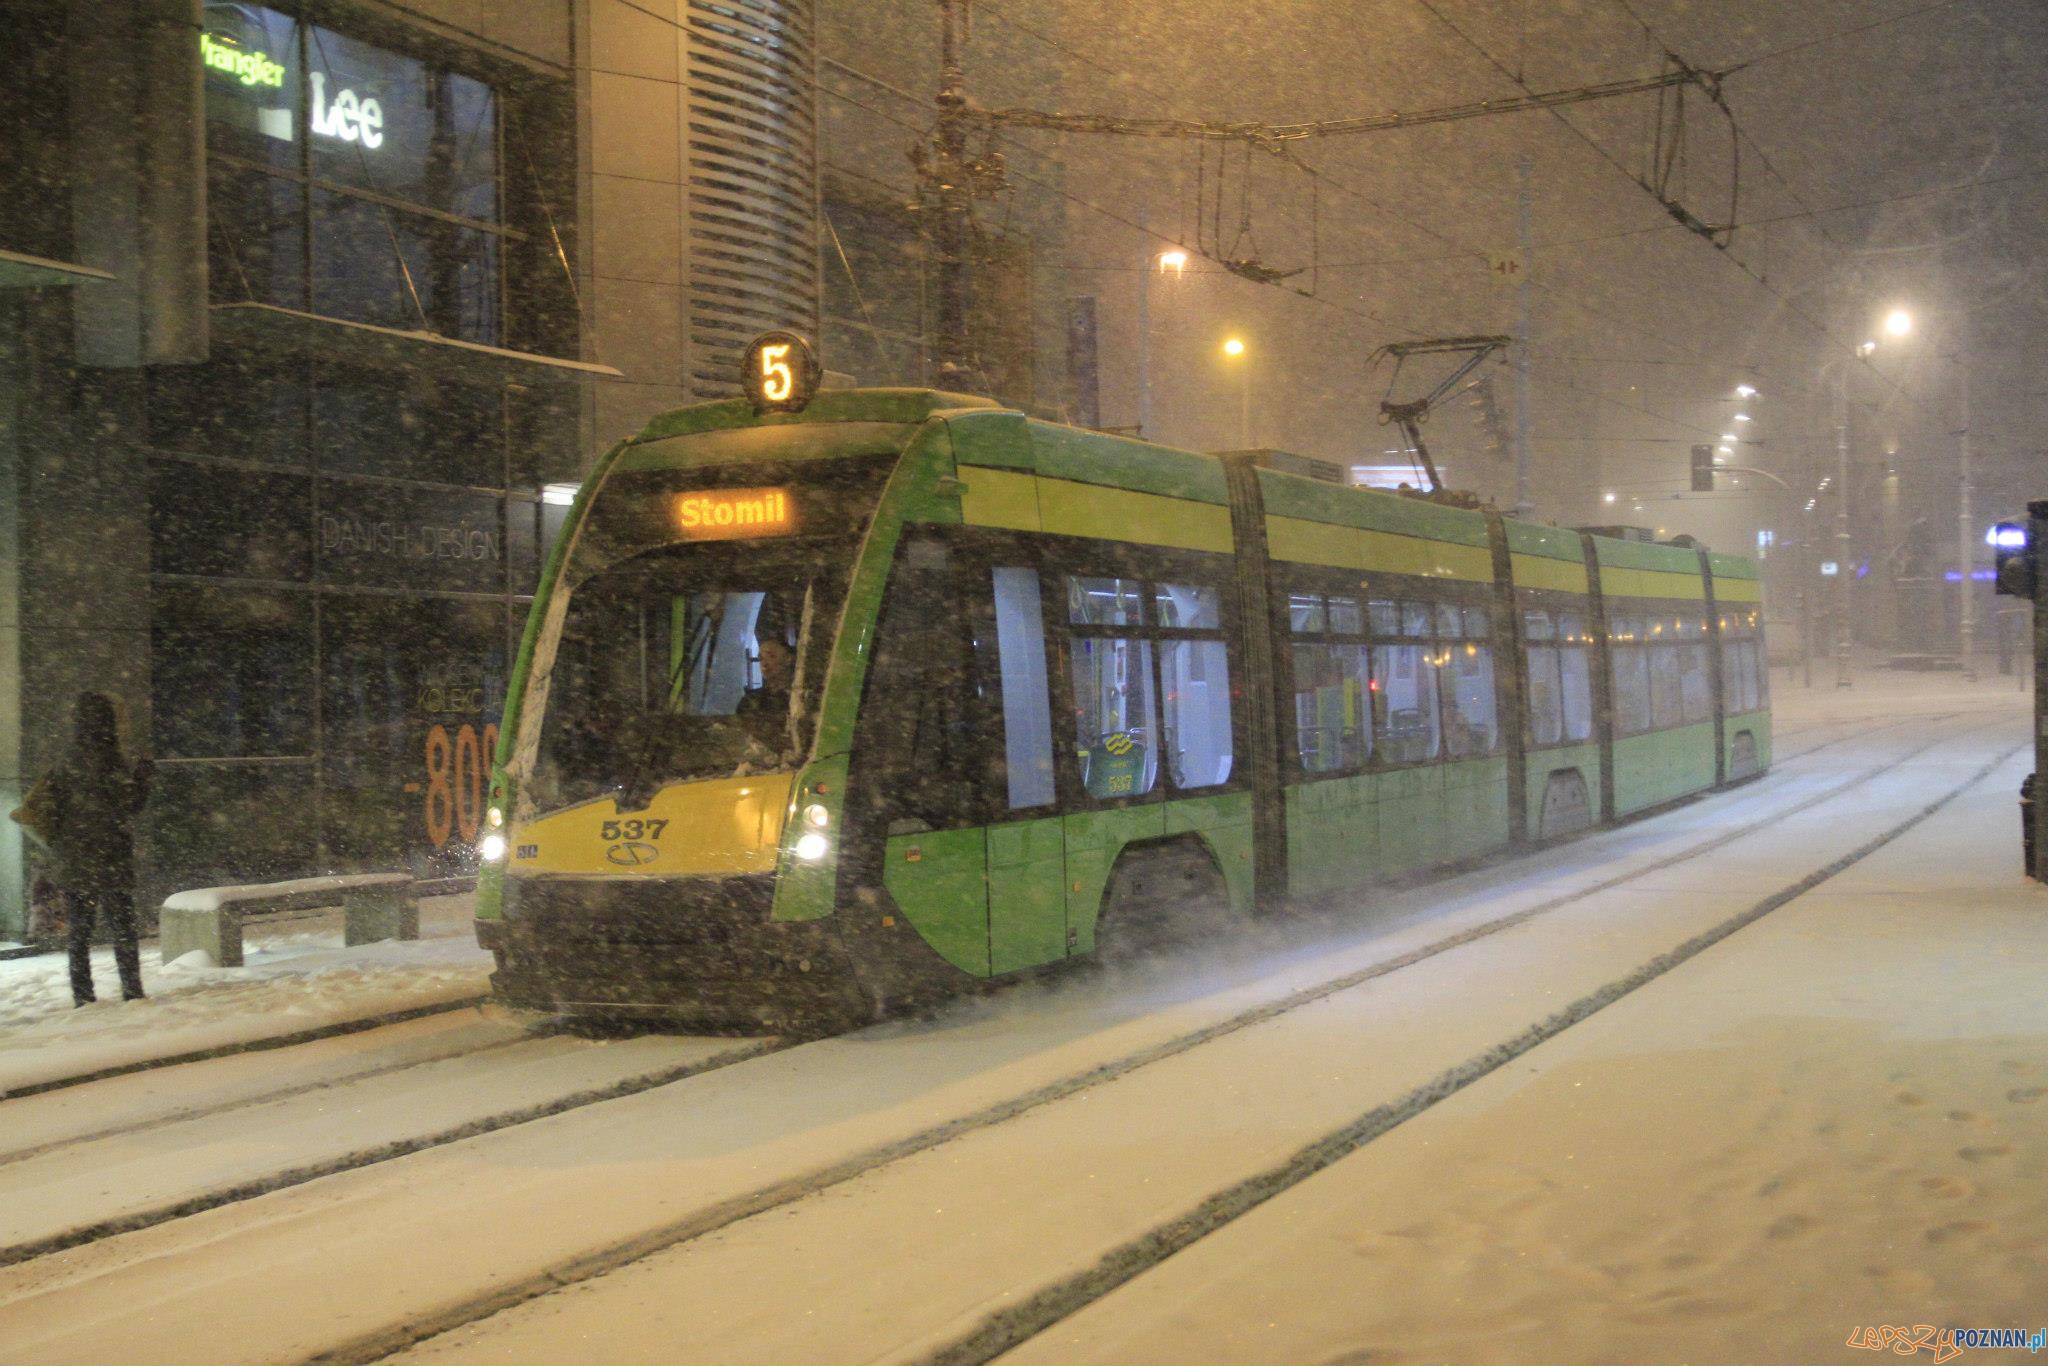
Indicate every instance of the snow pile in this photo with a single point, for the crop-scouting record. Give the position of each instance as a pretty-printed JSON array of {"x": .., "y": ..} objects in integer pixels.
[{"x": 299, "y": 976}]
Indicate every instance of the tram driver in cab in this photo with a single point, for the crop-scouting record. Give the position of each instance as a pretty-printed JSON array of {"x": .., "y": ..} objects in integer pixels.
[{"x": 763, "y": 709}]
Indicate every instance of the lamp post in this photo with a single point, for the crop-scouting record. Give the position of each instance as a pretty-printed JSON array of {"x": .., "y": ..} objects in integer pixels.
[
  {"x": 1966, "y": 543},
  {"x": 1233, "y": 347},
  {"x": 1897, "y": 323},
  {"x": 1175, "y": 261}
]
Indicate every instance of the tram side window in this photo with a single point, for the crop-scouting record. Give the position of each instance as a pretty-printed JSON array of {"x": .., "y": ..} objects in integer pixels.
[
  {"x": 1742, "y": 667},
  {"x": 1695, "y": 679},
  {"x": 1631, "y": 675},
  {"x": 1194, "y": 681},
  {"x": 1666, "y": 707},
  {"x": 1196, "y": 677},
  {"x": 1027, "y": 708},
  {"x": 1471, "y": 710},
  {"x": 1332, "y": 683},
  {"x": 1116, "y": 717},
  {"x": 1546, "y": 680},
  {"x": 1331, "y": 691},
  {"x": 1575, "y": 675},
  {"x": 1405, "y": 727},
  {"x": 1115, "y": 722}
]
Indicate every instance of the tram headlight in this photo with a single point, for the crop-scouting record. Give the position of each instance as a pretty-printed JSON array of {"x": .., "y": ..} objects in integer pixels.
[
  {"x": 812, "y": 846},
  {"x": 816, "y": 816},
  {"x": 492, "y": 847}
]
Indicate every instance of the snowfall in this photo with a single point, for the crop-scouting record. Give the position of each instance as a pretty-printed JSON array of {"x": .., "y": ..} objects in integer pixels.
[{"x": 1761, "y": 1078}]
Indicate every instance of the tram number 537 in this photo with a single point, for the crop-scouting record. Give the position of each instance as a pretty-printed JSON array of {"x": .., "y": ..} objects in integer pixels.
[{"x": 457, "y": 770}]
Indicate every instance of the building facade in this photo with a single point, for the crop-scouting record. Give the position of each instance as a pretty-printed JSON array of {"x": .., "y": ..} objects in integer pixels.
[{"x": 311, "y": 317}]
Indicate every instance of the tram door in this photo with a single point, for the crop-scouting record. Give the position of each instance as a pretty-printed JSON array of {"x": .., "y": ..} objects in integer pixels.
[
  {"x": 1027, "y": 908},
  {"x": 916, "y": 760}
]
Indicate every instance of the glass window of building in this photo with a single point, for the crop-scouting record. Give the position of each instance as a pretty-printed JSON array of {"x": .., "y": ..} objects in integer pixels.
[{"x": 350, "y": 180}]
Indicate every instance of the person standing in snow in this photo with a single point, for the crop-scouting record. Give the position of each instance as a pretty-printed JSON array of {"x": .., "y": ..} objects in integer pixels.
[{"x": 84, "y": 812}]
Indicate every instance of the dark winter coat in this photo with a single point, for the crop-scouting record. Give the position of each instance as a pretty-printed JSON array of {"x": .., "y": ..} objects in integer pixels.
[
  {"x": 92, "y": 827},
  {"x": 86, "y": 807}
]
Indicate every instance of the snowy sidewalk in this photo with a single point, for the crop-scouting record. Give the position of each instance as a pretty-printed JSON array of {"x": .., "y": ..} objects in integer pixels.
[
  {"x": 1830, "y": 1121},
  {"x": 298, "y": 977}
]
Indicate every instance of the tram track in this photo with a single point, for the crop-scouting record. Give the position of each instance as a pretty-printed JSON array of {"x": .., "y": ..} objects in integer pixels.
[
  {"x": 80, "y": 1235},
  {"x": 191, "y": 1114},
  {"x": 592, "y": 1264},
  {"x": 360, "y": 1025},
  {"x": 1007, "y": 1329}
]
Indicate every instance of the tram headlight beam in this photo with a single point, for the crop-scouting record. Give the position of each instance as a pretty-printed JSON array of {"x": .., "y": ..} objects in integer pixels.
[
  {"x": 492, "y": 847},
  {"x": 812, "y": 846}
]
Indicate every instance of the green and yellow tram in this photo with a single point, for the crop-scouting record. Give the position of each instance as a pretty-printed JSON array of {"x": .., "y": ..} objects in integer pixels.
[{"x": 821, "y": 712}]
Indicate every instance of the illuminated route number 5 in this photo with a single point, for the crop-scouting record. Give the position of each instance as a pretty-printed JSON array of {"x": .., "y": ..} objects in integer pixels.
[
  {"x": 456, "y": 771},
  {"x": 780, "y": 372},
  {"x": 777, "y": 384}
]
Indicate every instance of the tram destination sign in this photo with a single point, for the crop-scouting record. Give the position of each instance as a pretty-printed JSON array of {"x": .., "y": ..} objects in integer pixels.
[{"x": 734, "y": 514}]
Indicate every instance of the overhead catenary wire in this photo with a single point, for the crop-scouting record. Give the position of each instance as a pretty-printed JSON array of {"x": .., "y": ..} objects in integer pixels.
[{"x": 1819, "y": 328}]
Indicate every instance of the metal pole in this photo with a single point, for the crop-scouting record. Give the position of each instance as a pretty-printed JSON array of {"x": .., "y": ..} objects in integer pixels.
[
  {"x": 1145, "y": 337},
  {"x": 1244, "y": 394},
  {"x": 952, "y": 203},
  {"x": 1844, "y": 570},
  {"x": 1966, "y": 545},
  {"x": 1524, "y": 168},
  {"x": 2037, "y": 535}
]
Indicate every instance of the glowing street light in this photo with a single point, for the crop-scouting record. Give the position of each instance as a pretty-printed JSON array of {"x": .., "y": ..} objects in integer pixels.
[
  {"x": 1233, "y": 347},
  {"x": 1175, "y": 261},
  {"x": 1742, "y": 417},
  {"x": 1730, "y": 437},
  {"x": 1745, "y": 391},
  {"x": 1866, "y": 348},
  {"x": 1607, "y": 497},
  {"x": 1898, "y": 322}
]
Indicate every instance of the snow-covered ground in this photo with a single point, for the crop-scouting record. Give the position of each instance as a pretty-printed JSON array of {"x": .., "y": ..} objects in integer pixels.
[
  {"x": 297, "y": 976},
  {"x": 1819, "y": 1122}
]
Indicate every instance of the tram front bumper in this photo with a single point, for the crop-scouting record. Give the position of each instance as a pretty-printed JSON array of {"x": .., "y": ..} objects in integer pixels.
[{"x": 701, "y": 950}]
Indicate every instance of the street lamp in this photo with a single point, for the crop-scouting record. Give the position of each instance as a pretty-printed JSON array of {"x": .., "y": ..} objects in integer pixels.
[
  {"x": 1233, "y": 348},
  {"x": 1175, "y": 261},
  {"x": 1897, "y": 323}
]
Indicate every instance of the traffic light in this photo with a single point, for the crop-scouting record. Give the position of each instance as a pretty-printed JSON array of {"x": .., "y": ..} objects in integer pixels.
[
  {"x": 1702, "y": 469},
  {"x": 2013, "y": 557}
]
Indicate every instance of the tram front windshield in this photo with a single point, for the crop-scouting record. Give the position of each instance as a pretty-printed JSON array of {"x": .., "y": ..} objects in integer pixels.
[{"x": 690, "y": 662}]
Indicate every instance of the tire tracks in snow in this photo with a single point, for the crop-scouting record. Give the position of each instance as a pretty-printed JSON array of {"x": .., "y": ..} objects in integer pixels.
[{"x": 385, "y": 1341}]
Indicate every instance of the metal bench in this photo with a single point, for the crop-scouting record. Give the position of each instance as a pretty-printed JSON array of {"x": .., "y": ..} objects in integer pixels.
[{"x": 374, "y": 906}]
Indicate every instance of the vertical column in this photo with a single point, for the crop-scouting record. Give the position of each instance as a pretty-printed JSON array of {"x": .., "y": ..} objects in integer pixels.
[{"x": 2037, "y": 536}]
